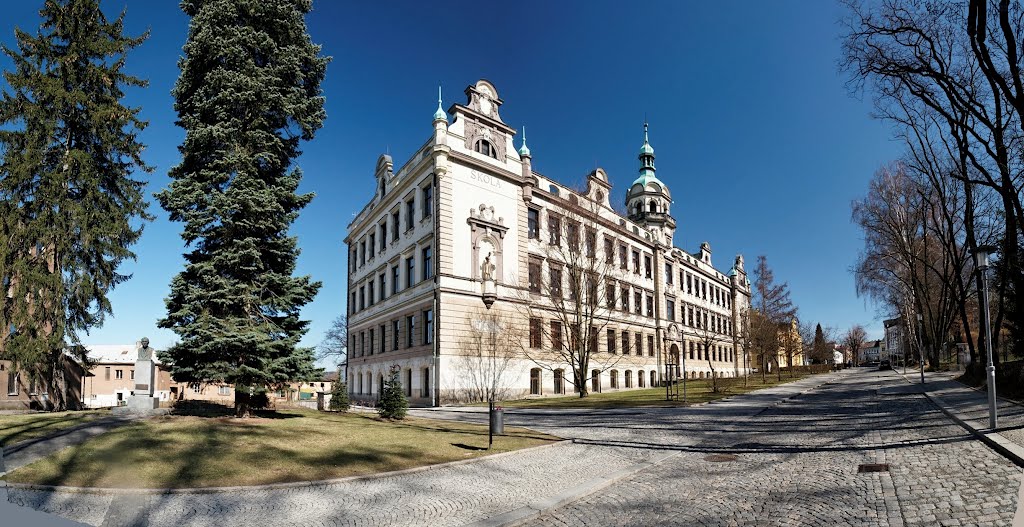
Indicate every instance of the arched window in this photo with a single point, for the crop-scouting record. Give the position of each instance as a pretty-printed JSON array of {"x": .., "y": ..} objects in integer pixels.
[
  {"x": 639, "y": 208},
  {"x": 553, "y": 190},
  {"x": 535, "y": 381},
  {"x": 640, "y": 378},
  {"x": 485, "y": 147},
  {"x": 654, "y": 379},
  {"x": 560, "y": 381},
  {"x": 653, "y": 207},
  {"x": 380, "y": 384},
  {"x": 614, "y": 378},
  {"x": 629, "y": 379}
]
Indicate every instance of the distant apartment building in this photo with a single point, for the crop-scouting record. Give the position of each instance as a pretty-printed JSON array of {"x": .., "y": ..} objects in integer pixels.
[
  {"x": 23, "y": 390},
  {"x": 895, "y": 340},
  {"x": 463, "y": 233}
]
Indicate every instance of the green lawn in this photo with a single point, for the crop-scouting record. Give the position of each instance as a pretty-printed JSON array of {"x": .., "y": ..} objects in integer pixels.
[
  {"x": 287, "y": 445},
  {"x": 15, "y": 428},
  {"x": 697, "y": 391}
]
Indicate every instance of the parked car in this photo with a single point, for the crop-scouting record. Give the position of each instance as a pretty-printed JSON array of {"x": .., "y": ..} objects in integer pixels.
[{"x": 885, "y": 365}]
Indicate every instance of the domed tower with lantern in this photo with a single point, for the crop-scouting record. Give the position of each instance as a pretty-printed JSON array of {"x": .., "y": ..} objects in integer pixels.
[{"x": 648, "y": 200}]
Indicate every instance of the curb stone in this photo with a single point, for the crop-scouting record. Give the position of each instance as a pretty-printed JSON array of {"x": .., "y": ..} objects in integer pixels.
[{"x": 273, "y": 486}]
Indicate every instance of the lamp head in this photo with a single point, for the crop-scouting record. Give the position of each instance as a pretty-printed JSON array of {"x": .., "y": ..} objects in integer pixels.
[{"x": 981, "y": 255}]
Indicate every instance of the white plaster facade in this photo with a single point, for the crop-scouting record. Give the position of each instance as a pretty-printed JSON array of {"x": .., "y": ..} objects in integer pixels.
[{"x": 417, "y": 258}]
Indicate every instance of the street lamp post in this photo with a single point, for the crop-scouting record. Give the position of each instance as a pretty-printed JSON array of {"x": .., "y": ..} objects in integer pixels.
[
  {"x": 920, "y": 344},
  {"x": 981, "y": 260}
]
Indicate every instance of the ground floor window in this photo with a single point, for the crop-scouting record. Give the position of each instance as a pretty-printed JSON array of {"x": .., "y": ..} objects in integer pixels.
[
  {"x": 654, "y": 379},
  {"x": 640, "y": 378},
  {"x": 560, "y": 381},
  {"x": 595, "y": 381},
  {"x": 614, "y": 379},
  {"x": 535, "y": 381},
  {"x": 425, "y": 383},
  {"x": 629, "y": 379}
]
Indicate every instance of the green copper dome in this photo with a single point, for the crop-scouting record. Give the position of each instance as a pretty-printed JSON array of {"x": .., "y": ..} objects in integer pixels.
[
  {"x": 439, "y": 114},
  {"x": 524, "y": 150},
  {"x": 646, "y": 149}
]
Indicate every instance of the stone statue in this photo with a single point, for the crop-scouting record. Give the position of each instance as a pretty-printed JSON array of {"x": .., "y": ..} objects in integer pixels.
[
  {"x": 145, "y": 352},
  {"x": 487, "y": 268},
  {"x": 739, "y": 262}
]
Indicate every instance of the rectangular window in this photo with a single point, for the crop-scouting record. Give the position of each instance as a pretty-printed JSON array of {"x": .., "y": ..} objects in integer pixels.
[
  {"x": 428, "y": 263},
  {"x": 118, "y": 374},
  {"x": 638, "y": 303},
  {"x": 647, "y": 267},
  {"x": 383, "y": 338},
  {"x": 106, "y": 373},
  {"x": 689, "y": 284},
  {"x": 703, "y": 290},
  {"x": 535, "y": 336},
  {"x": 650, "y": 306},
  {"x": 556, "y": 282},
  {"x": 681, "y": 281},
  {"x": 383, "y": 235},
  {"x": 373, "y": 244},
  {"x": 533, "y": 224},
  {"x": 623, "y": 261},
  {"x": 639, "y": 344},
  {"x": 650, "y": 345},
  {"x": 609, "y": 250},
  {"x": 556, "y": 335},
  {"x": 354, "y": 259},
  {"x": 572, "y": 234},
  {"x": 690, "y": 311},
  {"x": 609, "y": 295},
  {"x": 131, "y": 374},
  {"x": 370, "y": 289},
  {"x": 223, "y": 390},
  {"x": 594, "y": 339},
  {"x": 611, "y": 341},
  {"x": 362, "y": 253},
  {"x": 372, "y": 342},
  {"x": 428, "y": 200},
  {"x": 394, "y": 279},
  {"x": 533, "y": 273},
  {"x": 636, "y": 262},
  {"x": 362, "y": 297},
  {"x": 410, "y": 326},
  {"x": 352, "y": 304},
  {"x": 410, "y": 272},
  {"x": 425, "y": 383},
  {"x": 670, "y": 307},
  {"x": 394, "y": 226},
  {"x": 590, "y": 241},
  {"x": 362, "y": 343},
  {"x": 196, "y": 388},
  {"x": 428, "y": 326},
  {"x": 625, "y": 298},
  {"x": 554, "y": 230},
  {"x": 395, "y": 326},
  {"x": 410, "y": 212},
  {"x": 380, "y": 286},
  {"x": 625, "y": 343},
  {"x": 668, "y": 273},
  {"x": 12, "y": 383}
]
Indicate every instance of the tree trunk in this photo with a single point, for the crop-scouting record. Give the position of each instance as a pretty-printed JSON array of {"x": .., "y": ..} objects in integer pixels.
[{"x": 243, "y": 406}]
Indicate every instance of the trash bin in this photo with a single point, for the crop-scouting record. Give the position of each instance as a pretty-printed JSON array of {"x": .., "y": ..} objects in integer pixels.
[{"x": 498, "y": 420}]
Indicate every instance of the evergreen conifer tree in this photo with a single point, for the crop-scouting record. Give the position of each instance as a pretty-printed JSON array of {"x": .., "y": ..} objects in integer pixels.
[
  {"x": 339, "y": 397},
  {"x": 69, "y": 207},
  {"x": 248, "y": 92},
  {"x": 393, "y": 404}
]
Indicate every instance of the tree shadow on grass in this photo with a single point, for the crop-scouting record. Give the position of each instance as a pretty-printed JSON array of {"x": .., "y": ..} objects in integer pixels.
[{"x": 211, "y": 409}]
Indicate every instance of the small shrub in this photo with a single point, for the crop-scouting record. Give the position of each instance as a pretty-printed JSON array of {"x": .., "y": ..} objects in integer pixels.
[
  {"x": 339, "y": 397},
  {"x": 393, "y": 404}
]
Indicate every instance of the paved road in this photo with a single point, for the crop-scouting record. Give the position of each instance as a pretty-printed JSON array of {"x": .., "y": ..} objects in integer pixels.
[{"x": 797, "y": 448}]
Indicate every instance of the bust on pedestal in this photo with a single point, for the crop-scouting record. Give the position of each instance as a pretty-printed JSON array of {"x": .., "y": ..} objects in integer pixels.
[{"x": 142, "y": 399}]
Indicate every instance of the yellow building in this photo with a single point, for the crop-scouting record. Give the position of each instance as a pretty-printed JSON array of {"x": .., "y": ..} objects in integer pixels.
[{"x": 791, "y": 345}]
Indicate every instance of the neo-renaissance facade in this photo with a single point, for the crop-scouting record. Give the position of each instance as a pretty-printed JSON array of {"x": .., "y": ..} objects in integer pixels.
[{"x": 461, "y": 235}]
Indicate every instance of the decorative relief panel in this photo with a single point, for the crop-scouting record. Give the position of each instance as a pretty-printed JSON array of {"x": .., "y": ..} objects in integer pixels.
[{"x": 476, "y": 131}]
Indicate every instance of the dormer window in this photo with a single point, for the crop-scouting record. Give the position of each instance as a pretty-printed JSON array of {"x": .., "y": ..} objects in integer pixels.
[{"x": 485, "y": 147}]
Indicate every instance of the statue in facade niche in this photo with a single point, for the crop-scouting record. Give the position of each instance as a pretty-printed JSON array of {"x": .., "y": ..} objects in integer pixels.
[{"x": 487, "y": 269}]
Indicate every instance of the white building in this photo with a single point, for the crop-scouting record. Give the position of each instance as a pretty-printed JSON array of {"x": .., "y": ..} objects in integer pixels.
[{"x": 464, "y": 230}]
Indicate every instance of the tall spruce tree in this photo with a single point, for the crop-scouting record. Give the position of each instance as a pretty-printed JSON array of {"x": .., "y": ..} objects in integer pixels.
[
  {"x": 248, "y": 92},
  {"x": 69, "y": 206}
]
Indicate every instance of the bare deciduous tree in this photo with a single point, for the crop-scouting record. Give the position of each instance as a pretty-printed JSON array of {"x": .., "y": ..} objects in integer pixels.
[
  {"x": 334, "y": 345},
  {"x": 487, "y": 351},
  {"x": 854, "y": 340}
]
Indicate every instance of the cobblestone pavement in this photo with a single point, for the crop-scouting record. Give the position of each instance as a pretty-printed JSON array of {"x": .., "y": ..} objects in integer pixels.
[
  {"x": 797, "y": 451},
  {"x": 797, "y": 464}
]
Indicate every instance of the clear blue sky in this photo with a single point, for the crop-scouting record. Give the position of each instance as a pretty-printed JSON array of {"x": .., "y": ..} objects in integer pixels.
[{"x": 755, "y": 132}]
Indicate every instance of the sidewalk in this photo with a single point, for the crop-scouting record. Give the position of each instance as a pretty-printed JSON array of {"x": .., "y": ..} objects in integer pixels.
[
  {"x": 969, "y": 408},
  {"x": 20, "y": 454}
]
